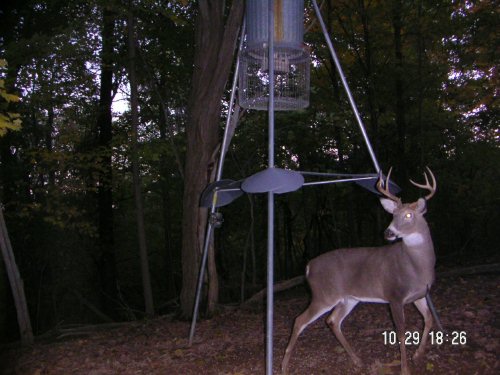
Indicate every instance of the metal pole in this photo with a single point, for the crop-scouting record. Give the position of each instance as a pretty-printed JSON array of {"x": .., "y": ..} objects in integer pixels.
[
  {"x": 346, "y": 87},
  {"x": 201, "y": 274},
  {"x": 232, "y": 100},
  {"x": 208, "y": 234},
  {"x": 270, "y": 200}
]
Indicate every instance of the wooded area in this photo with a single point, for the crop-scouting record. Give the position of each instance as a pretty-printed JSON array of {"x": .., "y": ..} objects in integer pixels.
[{"x": 122, "y": 104}]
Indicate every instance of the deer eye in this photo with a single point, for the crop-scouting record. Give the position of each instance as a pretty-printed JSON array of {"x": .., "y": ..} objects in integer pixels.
[{"x": 408, "y": 215}]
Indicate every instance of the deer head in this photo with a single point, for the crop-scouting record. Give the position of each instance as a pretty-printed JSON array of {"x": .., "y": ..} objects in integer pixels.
[{"x": 407, "y": 217}]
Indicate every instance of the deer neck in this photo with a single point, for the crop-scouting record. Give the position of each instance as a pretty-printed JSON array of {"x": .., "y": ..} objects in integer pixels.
[
  {"x": 420, "y": 249},
  {"x": 419, "y": 239}
]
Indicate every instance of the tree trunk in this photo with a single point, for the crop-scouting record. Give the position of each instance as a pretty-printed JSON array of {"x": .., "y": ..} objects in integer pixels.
[
  {"x": 165, "y": 196},
  {"x": 16, "y": 284},
  {"x": 215, "y": 46},
  {"x": 141, "y": 232},
  {"x": 371, "y": 98},
  {"x": 337, "y": 132},
  {"x": 106, "y": 262},
  {"x": 398, "y": 82},
  {"x": 213, "y": 281},
  {"x": 166, "y": 135},
  {"x": 49, "y": 140},
  {"x": 419, "y": 146}
]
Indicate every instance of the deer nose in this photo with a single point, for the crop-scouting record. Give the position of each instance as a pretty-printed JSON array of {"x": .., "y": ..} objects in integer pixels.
[{"x": 389, "y": 234}]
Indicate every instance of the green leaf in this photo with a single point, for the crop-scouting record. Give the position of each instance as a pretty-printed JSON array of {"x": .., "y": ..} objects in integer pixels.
[{"x": 9, "y": 97}]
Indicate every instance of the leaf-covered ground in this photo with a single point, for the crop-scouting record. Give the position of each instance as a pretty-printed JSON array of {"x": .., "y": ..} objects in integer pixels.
[{"x": 233, "y": 342}]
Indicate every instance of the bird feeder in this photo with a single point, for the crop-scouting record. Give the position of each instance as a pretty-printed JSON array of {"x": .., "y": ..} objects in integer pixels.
[{"x": 291, "y": 57}]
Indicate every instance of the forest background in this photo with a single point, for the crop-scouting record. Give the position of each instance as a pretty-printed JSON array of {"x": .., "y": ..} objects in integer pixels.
[{"x": 95, "y": 185}]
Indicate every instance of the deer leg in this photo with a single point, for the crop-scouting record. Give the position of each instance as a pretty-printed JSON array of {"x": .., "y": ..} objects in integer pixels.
[
  {"x": 398, "y": 315},
  {"x": 313, "y": 312},
  {"x": 422, "y": 306},
  {"x": 335, "y": 322}
]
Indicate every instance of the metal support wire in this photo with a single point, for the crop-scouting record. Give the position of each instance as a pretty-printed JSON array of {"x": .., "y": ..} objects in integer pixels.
[
  {"x": 270, "y": 201},
  {"x": 346, "y": 86},
  {"x": 326, "y": 182},
  {"x": 210, "y": 227},
  {"x": 346, "y": 177},
  {"x": 349, "y": 175}
]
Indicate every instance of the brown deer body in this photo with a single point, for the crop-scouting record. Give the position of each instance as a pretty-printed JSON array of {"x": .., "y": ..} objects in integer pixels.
[{"x": 398, "y": 274}]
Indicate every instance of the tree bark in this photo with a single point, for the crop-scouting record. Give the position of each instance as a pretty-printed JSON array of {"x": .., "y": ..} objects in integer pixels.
[
  {"x": 106, "y": 260},
  {"x": 216, "y": 38},
  {"x": 419, "y": 146},
  {"x": 166, "y": 203},
  {"x": 398, "y": 82},
  {"x": 166, "y": 136},
  {"x": 139, "y": 209},
  {"x": 369, "y": 75},
  {"x": 16, "y": 284}
]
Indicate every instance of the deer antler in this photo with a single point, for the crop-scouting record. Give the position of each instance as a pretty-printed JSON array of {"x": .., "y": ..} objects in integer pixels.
[
  {"x": 385, "y": 189},
  {"x": 427, "y": 186}
]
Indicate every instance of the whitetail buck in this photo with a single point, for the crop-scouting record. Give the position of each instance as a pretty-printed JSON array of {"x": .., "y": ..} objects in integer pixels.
[{"x": 397, "y": 274}]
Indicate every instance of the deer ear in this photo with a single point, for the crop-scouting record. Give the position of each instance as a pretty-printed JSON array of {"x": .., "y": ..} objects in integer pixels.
[
  {"x": 388, "y": 205},
  {"x": 422, "y": 205}
]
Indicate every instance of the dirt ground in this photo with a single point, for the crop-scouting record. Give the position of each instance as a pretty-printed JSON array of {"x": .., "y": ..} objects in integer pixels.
[{"x": 233, "y": 342}]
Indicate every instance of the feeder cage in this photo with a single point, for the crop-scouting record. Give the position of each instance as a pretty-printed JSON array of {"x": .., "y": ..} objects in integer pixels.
[{"x": 291, "y": 57}]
